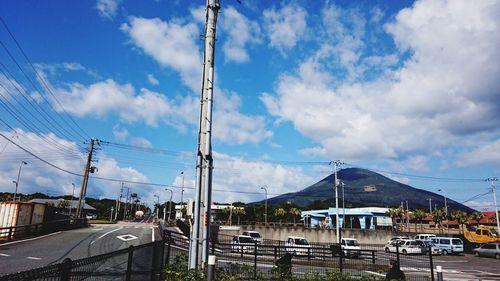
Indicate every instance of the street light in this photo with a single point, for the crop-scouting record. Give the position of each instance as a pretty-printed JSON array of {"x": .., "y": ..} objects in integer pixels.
[
  {"x": 265, "y": 206},
  {"x": 18, "y": 176},
  {"x": 158, "y": 204},
  {"x": 169, "y": 205},
  {"x": 445, "y": 204},
  {"x": 182, "y": 194}
]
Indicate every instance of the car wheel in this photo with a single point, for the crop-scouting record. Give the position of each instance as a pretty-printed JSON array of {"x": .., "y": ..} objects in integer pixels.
[
  {"x": 405, "y": 252},
  {"x": 445, "y": 252},
  {"x": 387, "y": 250},
  {"x": 476, "y": 254}
]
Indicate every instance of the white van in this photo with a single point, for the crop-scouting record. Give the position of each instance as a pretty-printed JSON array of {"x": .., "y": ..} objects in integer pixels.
[
  {"x": 424, "y": 237},
  {"x": 297, "y": 245},
  {"x": 351, "y": 247},
  {"x": 448, "y": 245}
]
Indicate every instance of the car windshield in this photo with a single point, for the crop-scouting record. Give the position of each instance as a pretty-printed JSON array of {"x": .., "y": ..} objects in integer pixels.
[
  {"x": 301, "y": 241},
  {"x": 255, "y": 234},
  {"x": 352, "y": 242},
  {"x": 246, "y": 240},
  {"x": 456, "y": 242}
]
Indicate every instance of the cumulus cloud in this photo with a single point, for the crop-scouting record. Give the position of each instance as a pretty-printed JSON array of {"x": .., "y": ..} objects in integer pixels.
[
  {"x": 484, "y": 153},
  {"x": 172, "y": 44},
  {"x": 107, "y": 8},
  {"x": 240, "y": 32},
  {"x": 152, "y": 79},
  {"x": 285, "y": 26},
  {"x": 142, "y": 142},
  {"x": 446, "y": 89},
  {"x": 120, "y": 133}
]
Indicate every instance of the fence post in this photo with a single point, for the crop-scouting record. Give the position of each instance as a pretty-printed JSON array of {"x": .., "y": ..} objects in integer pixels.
[
  {"x": 275, "y": 253},
  {"x": 129, "y": 262},
  {"x": 169, "y": 241},
  {"x": 397, "y": 254},
  {"x": 439, "y": 271},
  {"x": 255, "y": 260},
  {"x": 213, "y": 247},
  {"x": 211, "y": 268},
  {"x": 373, "y": 256},
  {"x": 65, "y": 268},
  {"x": 431, "y": 263},
  {"x": 341, "y": 256}
]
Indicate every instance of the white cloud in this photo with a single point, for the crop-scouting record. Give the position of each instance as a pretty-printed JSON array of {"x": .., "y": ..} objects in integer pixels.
[
  {"x": 285, "y": 27},
  {"x": 239, "y": 175},
  {"x": 172, "y": 44},
  {"x": 152, "y": 79},
  {"x": 484, "y": 153},
  {"x": 446, "y": 91},
  {"x": 240, "y": 32},
  {"x": 120, "y": 133},
  {"x": 107, "y": 8},
  {"x": 142, "y": 142}
]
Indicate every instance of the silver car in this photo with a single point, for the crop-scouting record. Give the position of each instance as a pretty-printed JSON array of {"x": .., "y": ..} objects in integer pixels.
[{"x": 488, "y": 250}]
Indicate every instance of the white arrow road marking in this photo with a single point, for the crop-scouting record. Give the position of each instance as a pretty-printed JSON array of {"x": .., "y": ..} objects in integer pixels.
[
  {"x": 126, "y": 237},
  {"x": 5, "y": 255},
  {"x": 105, "y": 235},
  {"x": 152, "y": 234},
  {"x": 33, "y": 258}
]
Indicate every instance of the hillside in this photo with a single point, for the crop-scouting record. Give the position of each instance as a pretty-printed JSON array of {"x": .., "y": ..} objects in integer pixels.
[{"x": 365, "y": 188}]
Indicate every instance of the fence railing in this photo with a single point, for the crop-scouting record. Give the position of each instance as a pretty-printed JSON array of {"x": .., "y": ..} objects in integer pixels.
[
  {"x": 246, "y": 261},
  {"x": 25, "y": 231}
]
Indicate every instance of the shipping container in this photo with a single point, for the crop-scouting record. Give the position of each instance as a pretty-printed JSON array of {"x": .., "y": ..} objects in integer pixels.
[{"x": 18, "y": 214}]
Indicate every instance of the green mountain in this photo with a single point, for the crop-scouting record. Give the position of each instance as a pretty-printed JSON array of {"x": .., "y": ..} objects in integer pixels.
[{"x": 364, "y": 188}]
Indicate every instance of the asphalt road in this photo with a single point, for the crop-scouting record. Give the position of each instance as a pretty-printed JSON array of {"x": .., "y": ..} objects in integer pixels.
[{"x": 74, "y": 244}]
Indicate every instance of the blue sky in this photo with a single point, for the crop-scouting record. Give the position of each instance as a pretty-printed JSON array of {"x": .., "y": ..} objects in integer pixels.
[{"x": 408, "y": 88}]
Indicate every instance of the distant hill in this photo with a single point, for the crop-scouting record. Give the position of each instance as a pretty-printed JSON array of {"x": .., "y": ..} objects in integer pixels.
[{"x": 363, "y": 188}]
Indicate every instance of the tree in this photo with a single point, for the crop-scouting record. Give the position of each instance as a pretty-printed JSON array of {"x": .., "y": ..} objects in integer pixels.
[
  {"x": 394, "y": 213},
  {"x": 477, "y": 216},
  {"x": 63, "y": 203},
  {"x": 438, "y": 215},
  {"x": 294, "y": 212},
  {"x": 229, "y": 214},
  {"x": 460, "y": 217},
  {"x": 419, "y": 215},
  {"x": 239, "y": 211},
  {"x": 280, "y": 213}
]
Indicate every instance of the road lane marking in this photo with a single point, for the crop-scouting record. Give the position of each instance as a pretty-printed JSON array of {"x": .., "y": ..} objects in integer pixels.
[
  {"x": 30, "y": 239},
  {"x": 97, "y": 229},
  {"x": 127, "y": 237},
  {"x": 33, "y": 258},
  {"x": 111, "y": 231},
  {"x": 152, "y": 234},
  {"x": 5, "y": 255}
]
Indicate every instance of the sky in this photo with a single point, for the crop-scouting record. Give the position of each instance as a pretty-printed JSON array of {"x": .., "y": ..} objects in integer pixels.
[{"x": 409, "y": 89}]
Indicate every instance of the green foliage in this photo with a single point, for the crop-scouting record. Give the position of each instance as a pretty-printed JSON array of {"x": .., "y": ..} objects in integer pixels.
[{"x": 178, "y": 271}]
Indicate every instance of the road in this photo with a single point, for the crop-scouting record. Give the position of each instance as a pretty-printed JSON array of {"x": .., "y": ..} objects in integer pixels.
[{"x": 74, "y": 244}]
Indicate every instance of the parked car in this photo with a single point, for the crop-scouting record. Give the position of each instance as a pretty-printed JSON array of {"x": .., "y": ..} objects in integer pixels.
[
  {"x": 405, "y": 247},
  {"x": 397, "y": 238},
  {"x": 255, "y": 236},
  {"x": 448, "y": 245},
  {"x": 435, "y": 250},
  {"x": 351, "y": 247},
  {"x": 297, "y": 245},
  {"x": 242, "y": 243},
  {"x": 488, "y": 250},
  {"x": 424, "y": 237}
]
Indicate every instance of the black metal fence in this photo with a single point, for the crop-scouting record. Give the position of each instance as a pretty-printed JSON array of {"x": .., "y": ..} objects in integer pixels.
[
  {"x": 267, "y": 261},
  {"x": 31, "y": 230}
]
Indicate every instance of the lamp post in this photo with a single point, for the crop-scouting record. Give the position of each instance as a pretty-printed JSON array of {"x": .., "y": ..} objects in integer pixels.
[
  {"x": 445, "y": 204},
  {"x": 182, "y": 194},
  {"x": 169, "y": 205},
  {"x": 265, "y": 206},
  {"x": 18, "y": 176},
  {"x": 158, "y": 205}
]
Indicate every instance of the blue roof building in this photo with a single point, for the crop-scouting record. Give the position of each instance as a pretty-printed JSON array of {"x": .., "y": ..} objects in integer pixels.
[{"x": 360, "y": 218}]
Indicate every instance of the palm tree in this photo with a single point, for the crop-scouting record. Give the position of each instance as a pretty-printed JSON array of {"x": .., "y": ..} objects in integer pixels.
[
  {"x": 477, "y": 216},
  {"x": 394, "y": 213},
  {"x": 294, "y": 212},
  {"x": 419, "y": 215},
  {"x": 438, "y": 215},
  {"x": 239, "y": 211},
  {"x": 228, "y": 212},
  {"x": 280, "y": 212},
  {"x": 460, "y": 217}
]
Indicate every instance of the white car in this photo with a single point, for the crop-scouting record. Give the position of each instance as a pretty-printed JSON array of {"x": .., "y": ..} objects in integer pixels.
[
  {"x": 397, "y": 238},
  {"x": 404, "y": 246},
  {"x": 297, "y": 245},
  {"x": 243, "y": 243},
  {"x": 255, "y": 236},
  {"x": 351, "y": 247}
]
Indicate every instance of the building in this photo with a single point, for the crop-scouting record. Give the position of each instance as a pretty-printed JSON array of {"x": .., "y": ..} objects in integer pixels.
[
  {"x": 70, "y": 208},
  {"x": 360, "y": 218}
]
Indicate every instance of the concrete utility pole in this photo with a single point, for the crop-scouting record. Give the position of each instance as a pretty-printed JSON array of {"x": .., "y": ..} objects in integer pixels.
[
  {"x": 169, "y": 205},
  {"x": 430, "y": 205},
  {"x": 265, "y": 206},
  {"x": 126, "y": 204},
  {"x": 119, "y": 203},
  {"x": 336, "y": 186},
  {"x": 18, "y": 176},
  {"x": 182, "y": 194},
  {"x": 493, "y": 189},
  {"x": 445, "y": 204},
  {"x": 200, "y": 235},
  {"x": 86, "y": 172}
]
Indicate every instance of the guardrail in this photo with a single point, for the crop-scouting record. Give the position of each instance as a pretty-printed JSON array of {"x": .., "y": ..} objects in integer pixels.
[{"x": 32, "y": 230}]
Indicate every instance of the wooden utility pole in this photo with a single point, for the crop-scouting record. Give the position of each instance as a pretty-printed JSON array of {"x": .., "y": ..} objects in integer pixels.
[
  {"x": 88, "y": 169},
  {"x": 200, "y": 234}
]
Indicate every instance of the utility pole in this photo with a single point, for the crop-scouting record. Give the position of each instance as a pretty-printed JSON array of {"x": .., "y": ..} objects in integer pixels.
[
  {"x": 119, "y": 203},
  {"x": 182, "y": 195},
  {"x": 200, "y": 235},
  {"x": 126, "y": 204},
  {"x": 407, "y": 215},
  {"x": 493, "y": 189},
  {"x": 430, "y": 205},
  {"x": 336, "y": 186},
  {"x": 86, "y": 172}
]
